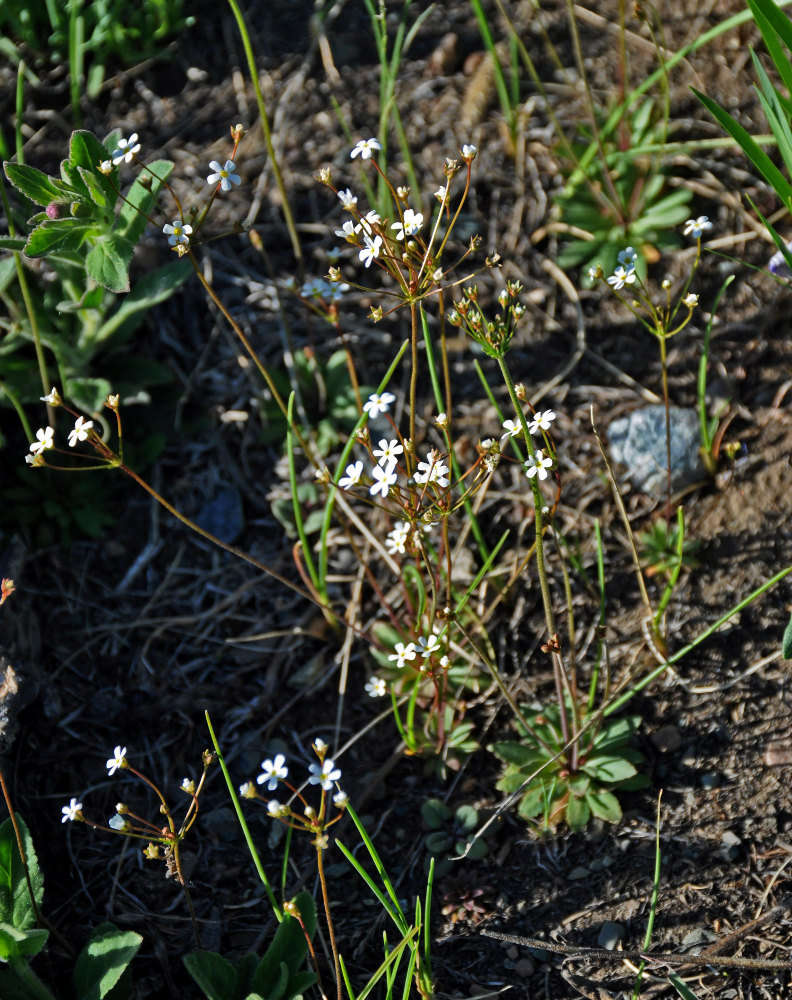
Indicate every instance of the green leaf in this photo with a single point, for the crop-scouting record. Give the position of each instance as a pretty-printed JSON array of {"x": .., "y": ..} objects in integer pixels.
[
  {"x": 140, "y": 199},
  {"x": 214, "y": 974},
  {"x": 86, "y": 151},
  {"x": 107, "y": 262},
  {"x": 466, "y": 819},
  {"x": 58, "y": 235},
  {"x": 289, "y": 948},
  {"x": 155, "y": 287},
  {"x": 526, "y": 758},
  {"x": 604, "y": 805},
  {"x": 578, "y": 813},
  {"x": 87, "y": 393},
  {"x": 755, "y": 153},
  {"x": 533, "y": 802},
  {"x": 34, "y": 184},
  {"x": 12, "y": 243},
  {"x": 15, "y": 943},
  {"x": 681, "y": 987},
  {"x": 16, "y": 907},
  {"x": 103, "y": 961},
  {"x": 786, "y": 645},
  {"x": 616, "y": 732},
  {"x": 435, "y": 813},
  {"x": 606, "y": 768}
]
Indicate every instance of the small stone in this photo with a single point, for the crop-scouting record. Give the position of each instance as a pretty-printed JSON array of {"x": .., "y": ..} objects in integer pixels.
[
  {"x": 513, "y": 952},
  {"x": 776, "y": 756},
  {"x": 577, "y": 873},
  {"x": 610, "y": 934},
  {"x": 667, "y": 739},
  {"x": 524, "y": 968},
  {"x": 223, "y": 516},
  {"x": 711, "y": 780},
  {"x": 730, "y": 837},
  {"x": 638, "y": 442}
]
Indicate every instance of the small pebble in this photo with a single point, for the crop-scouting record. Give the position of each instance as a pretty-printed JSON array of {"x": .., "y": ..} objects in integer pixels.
[
  {"x": 711, "y": 780},
  {"x": 667, "y": 739},
  {"x": 610, "y": 934},
  {"x": 579, "y": 872}
]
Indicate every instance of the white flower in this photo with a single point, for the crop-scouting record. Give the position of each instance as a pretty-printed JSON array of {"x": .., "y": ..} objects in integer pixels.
[
  {"x": 376, "y": 687},
  {"x": 340, "y": 800},
  {"x": 347, "y": 231},
  {"x": 127, "y": 149},
  {"x": 402, "y": 653},
  {"x": 387, "y": 452},
  {"x": 188, "y": 785},
  {"x": 427, "y": 645},
  {"x": 593, "y": 273},
  {"x": 43, "y": 440},
  {"x": 273, "y": 771},
  {"x": 628, "y": 257},
  {"x": 370, "y": 219},
  {"x": 371, "y": 249},
  {"x": 512, "y": 428},
  {"x": 410, "y": 226},
  {"x": 80, "y": 432},
  {"x": 378, "y": 403},
  {"x": 468, "y": 152},
  {"x": 71, "y": 811},
  {"x": 52, "y": 398},
  {"x": 324, "y": 775},
  {"x": 622, "y": 277},
  {"x": 396, "y": 540},
  {"x": 274, "y": 808},
  {"x": 538, "y": 466},
  {"x": 348, "y": 200},
  {"x": 441, "y": 194},
  {"x": 365, "y": 148},
  {"x": 319, "y": 745},
  {"x": 384, "y": 478},
  {"x": 541, "y": 421},
  {"x": 116, "y": 761},
  {"x": 433, "y": 470},
  {"x": 352, "y": 477},
  {"x": 696, "y": 227},
  {"x": 224, "y": 175},
  {"x": 177, "y": 233},
  {"x": 690, "y": 300},
  {"x": 105, "y": 167},
  {"x": 247, "y": 790}
]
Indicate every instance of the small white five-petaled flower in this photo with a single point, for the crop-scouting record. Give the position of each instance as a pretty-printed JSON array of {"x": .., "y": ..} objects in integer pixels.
[
  {"x": 324, "y": 775},
  {"x": 538, "y": 466},
  {"x": 116, "y": 761},
  {"x": 223, "y": 175},
  {"x": 127, "y": 149},
  {"x": 71, "y": 812},
  {"x": 384, "y": 478},
  {"x": 80, "y": 431},
  {"x": 376, "y": 687},
  {"x": 402, "y": 653},
  {"x": 352, "y": 477},
  {"x": 512, "y": 428},
  {"x": 370, "y": 250},
  {"x": 347, "y": 199},
  {"x": 628, "y": 257},
  {"x": 541, "y": 421},
  {"x": 178, "y": 232},
  {"x": 388, "y": 451},
  {"x": 697, "y": 227},
  {"x": 43, "y": 440},
  {"x": 410, "y": 226},
  {"x": 273, "y": 771},
  {"x": 378, "y": 403},
  {"x": 621, "y": 277},
  {"x": 365, "y": 148}
]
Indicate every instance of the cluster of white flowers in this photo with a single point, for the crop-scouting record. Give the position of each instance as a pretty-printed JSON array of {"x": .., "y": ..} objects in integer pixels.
[
  {"x": 624, "y": 273},
  {"x": 274, "y": 771},
  {"x": 45, "y": 435}
]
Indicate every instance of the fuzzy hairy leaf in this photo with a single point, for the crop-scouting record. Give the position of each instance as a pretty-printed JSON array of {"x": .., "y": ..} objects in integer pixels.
[
  {"x": 15, "y": 904},
  {"x": 103, "y": 961}
]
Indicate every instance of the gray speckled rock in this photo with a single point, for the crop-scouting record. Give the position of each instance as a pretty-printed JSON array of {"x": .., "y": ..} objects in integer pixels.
[{"x": 638, "y": 442}]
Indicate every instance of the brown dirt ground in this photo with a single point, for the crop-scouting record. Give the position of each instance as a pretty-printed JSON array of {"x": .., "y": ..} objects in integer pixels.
[{"x": 139, "y": 665}]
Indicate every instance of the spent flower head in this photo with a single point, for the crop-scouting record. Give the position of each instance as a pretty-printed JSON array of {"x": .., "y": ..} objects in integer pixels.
[{"x": 223, "y": 175}]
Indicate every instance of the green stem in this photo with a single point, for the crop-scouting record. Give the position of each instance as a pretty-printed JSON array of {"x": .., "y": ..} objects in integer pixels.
[{"x": 251, "y": 61}]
